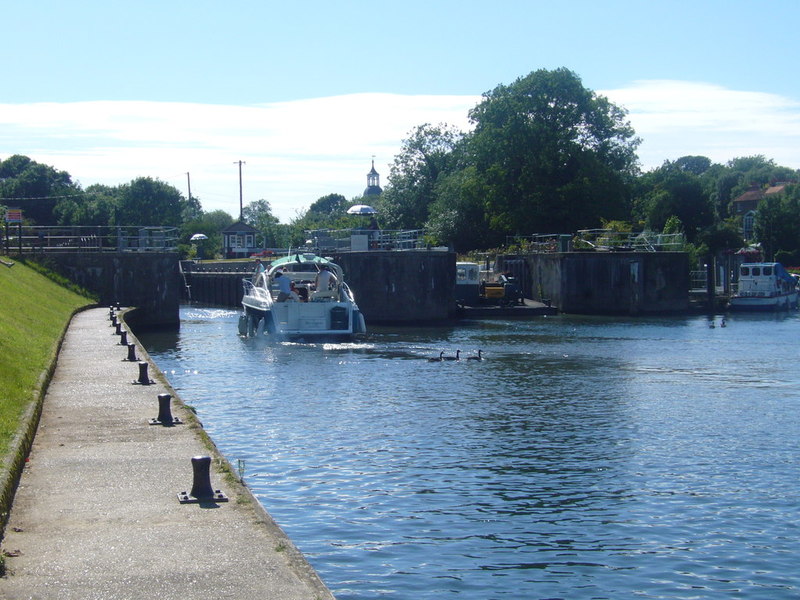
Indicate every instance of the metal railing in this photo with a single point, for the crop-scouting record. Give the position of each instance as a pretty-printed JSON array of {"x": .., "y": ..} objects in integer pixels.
[
  {"x": 347, "y": 240},
  {"x": 642, "y": 241},
  {"x": 88, "y": 239}
]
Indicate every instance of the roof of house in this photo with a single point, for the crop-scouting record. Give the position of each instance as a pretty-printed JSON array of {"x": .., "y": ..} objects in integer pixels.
[
  {"x": 775, "y": 189},
  {"x": 754, "y": 194},
  {"x": 240, "y": 226}
]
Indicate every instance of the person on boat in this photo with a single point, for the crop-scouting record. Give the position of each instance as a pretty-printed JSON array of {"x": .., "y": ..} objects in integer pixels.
[
  {"x": 295, "y": 293},
  {"x": 325, "y": 280},
  {"x": 284, "y": 287},
  {"x": 258, "y": 270}
]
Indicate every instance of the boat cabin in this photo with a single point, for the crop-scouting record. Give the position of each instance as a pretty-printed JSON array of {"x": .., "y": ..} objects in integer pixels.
[
  {"x": 468, "y": 280},
  {"x": 764, "y": 279}
]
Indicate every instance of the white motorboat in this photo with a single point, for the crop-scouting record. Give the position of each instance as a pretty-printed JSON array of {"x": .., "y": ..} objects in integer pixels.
[
  {"x": 765, "y": 286},
  {"x": 303, "y": 311}
]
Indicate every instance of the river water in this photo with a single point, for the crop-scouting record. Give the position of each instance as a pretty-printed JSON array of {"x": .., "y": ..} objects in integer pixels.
[{"x": 585, "y": 457}]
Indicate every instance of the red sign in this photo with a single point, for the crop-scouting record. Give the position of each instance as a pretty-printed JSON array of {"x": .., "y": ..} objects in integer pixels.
[{"x": 14, "y": 215}]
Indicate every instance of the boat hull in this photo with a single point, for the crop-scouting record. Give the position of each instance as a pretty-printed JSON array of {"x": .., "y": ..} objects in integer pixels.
[
  {"x": 304, "y": 319},
  {"x": 328, "y": 313},
  {"x": 764, "y": 304}
]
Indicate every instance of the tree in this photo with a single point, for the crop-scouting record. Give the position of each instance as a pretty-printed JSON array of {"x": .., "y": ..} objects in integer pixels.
[
  {"x": 259, "y": 215},
  {"x": 429, "y": 153},
  {"x": 148, "y": 201},
  {"x": 671, "y": 191},
  {"x": 554, "y": 156},
  {"x": 696, "y": 165},
  {"x": 777, "y": 224},
  {"x": 332, "y": 205},
  {"x": 34, "y": 187},
  {"x": 458, "y": 215}
]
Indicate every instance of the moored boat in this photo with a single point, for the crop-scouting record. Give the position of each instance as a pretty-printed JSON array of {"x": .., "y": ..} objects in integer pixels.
[
  {"x": 765, "y": 286},
  {"x": 301, "y": 296}
]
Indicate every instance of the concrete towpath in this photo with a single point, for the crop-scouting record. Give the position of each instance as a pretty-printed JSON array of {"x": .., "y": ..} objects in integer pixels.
[{"x": 97, "y": 515}]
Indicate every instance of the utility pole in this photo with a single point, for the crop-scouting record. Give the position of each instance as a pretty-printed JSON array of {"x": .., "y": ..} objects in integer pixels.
[
  {"x": 241, "y": 208},
  {"x": 189, "y": 184}
]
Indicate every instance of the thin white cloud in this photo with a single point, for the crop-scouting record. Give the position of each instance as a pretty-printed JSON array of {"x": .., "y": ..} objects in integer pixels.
[
  {"x": 679, "y": 118},
  {"x": 296, "y": 152}
]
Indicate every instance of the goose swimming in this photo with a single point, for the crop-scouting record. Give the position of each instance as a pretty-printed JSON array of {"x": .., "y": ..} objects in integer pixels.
[{"x": 478, "y": 357}]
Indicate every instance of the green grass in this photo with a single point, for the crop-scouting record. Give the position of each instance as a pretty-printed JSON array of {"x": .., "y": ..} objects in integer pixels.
[{"x": 34, "y": 311}]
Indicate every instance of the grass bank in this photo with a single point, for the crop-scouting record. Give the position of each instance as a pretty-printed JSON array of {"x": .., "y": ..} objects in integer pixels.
[{"x": 34, "y": 311}]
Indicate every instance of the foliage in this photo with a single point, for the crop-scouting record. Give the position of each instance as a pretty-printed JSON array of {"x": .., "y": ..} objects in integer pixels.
[
  {"x": 777, "y": 225},
  {"x": 457, "y": 215},
  {"x": 148, "y": 201},
  {"x": 332, "y": 205},
  {"x": 35, "y": 188},
  {"x": 209, "y": 224},
  {"x": 259, "y": 215},
  {"x": 672, "y": 191},
  {"x": 673, "y": 225},
  {"x": 719, "y": 238},
  {"x": 430, "y": 153},
  {"x": 553, "y": 155}
]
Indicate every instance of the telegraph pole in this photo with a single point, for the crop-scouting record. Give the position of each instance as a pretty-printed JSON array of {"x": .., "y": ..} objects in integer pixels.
[
  {"x": 189, "y": 185},
  {"x": 241, "y": 208}
]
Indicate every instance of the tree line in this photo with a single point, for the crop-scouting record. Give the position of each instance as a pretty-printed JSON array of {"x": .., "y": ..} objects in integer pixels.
[{"x": 544, "y": 155}]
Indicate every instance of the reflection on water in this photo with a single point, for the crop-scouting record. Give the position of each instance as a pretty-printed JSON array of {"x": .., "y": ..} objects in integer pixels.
[{"x": 583, "y": 458}]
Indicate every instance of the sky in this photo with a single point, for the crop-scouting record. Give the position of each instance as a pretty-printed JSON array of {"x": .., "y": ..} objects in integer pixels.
[{"x": 308, "y": 94}]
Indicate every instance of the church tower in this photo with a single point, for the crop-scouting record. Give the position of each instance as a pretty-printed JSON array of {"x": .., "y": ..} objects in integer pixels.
[{"x": 373, "y": 182}]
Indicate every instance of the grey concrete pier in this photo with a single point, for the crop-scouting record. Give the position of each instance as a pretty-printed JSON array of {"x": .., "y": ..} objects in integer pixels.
[{"x": 97, "y": 516}]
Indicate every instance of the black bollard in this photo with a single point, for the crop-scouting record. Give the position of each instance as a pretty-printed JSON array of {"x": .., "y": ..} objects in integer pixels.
[
  {"x": 165, "y": 417},
  {"x": 113, "y": 320},
  {"x": 201, "y": 484},
  {"x": 143, "y": 378},
  {"x": 118, "y": 328},
  {"x": 123, "y": 338},
  {"x": 132, "y": 353}
]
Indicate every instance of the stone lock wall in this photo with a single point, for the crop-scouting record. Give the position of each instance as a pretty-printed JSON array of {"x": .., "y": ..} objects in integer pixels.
[{"x": 148, "y": 280}]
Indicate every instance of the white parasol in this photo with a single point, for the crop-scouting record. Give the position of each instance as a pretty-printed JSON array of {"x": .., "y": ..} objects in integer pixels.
[{"x": 361, "y": 209}]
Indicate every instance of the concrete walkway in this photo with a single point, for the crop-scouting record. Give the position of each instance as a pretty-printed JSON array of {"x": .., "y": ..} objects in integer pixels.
[{"x": 96, "y": 515}]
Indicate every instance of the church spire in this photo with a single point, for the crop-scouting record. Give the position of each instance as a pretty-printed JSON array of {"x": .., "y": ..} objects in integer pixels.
[{"x": 373, "y": 182}]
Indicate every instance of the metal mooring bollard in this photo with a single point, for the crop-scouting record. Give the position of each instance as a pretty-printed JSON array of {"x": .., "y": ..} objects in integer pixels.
[
  {"x": 201, "y": 484},
  {"x": 143, "y": 378},
  {"x": 113, "y": 320},
  {"x": 118, "y": 328},
  {"x": 123, "y": 338},
  {"x": 132, "y": 353},
  {"x": 165, "y": 417}
]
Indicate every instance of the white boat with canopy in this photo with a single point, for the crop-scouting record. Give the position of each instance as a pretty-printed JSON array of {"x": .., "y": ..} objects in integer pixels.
[
  {"x": 301, "y": 296},
  {"x": 765, "y": 286}
]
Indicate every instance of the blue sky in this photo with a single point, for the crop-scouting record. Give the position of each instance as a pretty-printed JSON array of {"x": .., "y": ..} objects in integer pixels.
[{"x": 307, "y": 93}]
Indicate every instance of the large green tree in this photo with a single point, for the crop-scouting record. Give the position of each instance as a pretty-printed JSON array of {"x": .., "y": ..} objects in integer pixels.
[
  {"x": 554, "y": 156},
  {"x": 148, "y": 201},
  {"x": 426, "y": 156},
  {"x": 35, "y": 188}
]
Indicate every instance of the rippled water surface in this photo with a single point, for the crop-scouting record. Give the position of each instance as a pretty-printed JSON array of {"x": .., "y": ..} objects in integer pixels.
[{"x": 583, "y": 458}]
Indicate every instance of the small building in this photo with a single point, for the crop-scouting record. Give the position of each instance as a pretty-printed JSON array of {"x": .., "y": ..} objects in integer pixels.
[
  {"x": 239, "y": 240},
  {"x": 746, "y": 204}
]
